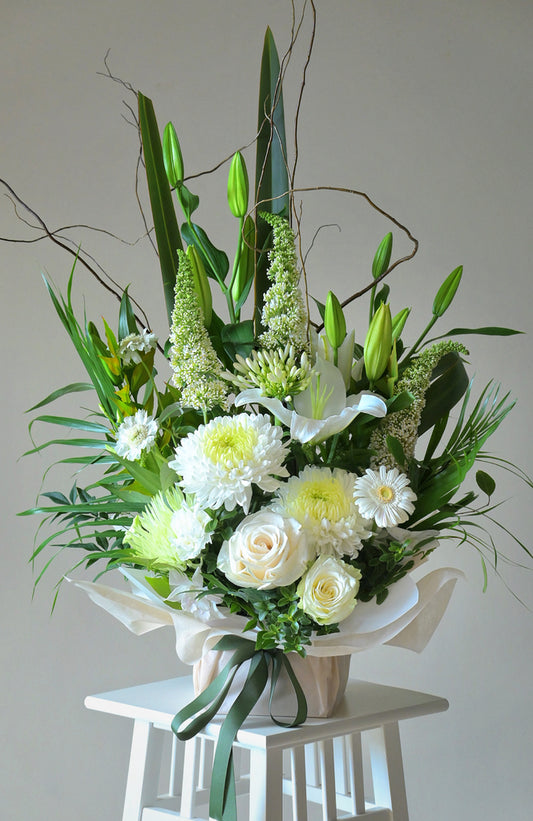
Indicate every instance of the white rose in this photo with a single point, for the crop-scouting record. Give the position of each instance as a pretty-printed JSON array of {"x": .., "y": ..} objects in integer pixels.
[
  {"x": 267, "y": 550},
  {"x": 328, "y": 590}
]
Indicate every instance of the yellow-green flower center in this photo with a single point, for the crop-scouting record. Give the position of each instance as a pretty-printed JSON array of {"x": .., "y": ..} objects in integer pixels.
[
  {"x": 138, "y": 434},
  {"x": 320, "y": 499},
  {"x": 386, "y": 493},
  {"x": 230, "y": 444}
]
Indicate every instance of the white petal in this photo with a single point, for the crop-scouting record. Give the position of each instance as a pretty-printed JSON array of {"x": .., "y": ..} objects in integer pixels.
[
  {"x": 331, "y": 381},
  {"x": 368, "y": 403},
  {"x": 254, "y": 396}
]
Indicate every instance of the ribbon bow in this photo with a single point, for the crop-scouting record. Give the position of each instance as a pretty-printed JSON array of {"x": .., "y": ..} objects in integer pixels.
[{"x": 192, "y": 718}]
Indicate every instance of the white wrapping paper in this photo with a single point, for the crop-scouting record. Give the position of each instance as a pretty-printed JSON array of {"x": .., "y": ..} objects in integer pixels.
[{"x": 408, "y": 617}]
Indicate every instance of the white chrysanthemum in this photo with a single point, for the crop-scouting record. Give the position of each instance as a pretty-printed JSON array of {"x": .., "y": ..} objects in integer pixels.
[
  {"x": 189, "y": 536},
  {"x": 385, "y": 496},
  {"x": 220, "y": 461},
  {"x": 322, "y": 500},
  {"x": 133, "y": 345},
  {"x": 152, "y": 536},
  {"x": 136, "y": 434}
]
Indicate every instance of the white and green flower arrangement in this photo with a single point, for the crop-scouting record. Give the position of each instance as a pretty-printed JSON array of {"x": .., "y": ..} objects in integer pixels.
[{"x": 268, "y": 469}]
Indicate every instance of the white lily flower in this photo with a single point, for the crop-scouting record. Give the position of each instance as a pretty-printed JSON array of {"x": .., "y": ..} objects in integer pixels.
[
  {"x": 322, "y": 409},
  {"x": 323, "y": 350},
  {"x": 187, "y": 592}
]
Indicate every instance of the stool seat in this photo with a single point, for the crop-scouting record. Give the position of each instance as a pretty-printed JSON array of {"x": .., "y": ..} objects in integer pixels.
[{"x": 318, "y": 770}]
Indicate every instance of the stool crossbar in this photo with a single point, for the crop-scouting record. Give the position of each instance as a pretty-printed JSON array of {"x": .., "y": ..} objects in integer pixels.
[{"x": 345, "y": 768}]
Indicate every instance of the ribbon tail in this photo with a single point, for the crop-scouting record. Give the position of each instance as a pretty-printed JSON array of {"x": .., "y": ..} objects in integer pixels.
[{"x": 222, "y": 800}]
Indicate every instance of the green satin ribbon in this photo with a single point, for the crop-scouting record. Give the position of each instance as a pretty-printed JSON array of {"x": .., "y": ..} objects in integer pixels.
[{"x": 192, "y": 718}]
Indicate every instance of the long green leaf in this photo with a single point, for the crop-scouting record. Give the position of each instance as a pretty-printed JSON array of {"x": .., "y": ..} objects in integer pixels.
[
  {"x": 165, "y": 223},
  {"x": 86, "y": 348},
  {"x": 68, "y": 422},
  {"x": 74, "y": 387},
  {"x": 487, "y": 331},
  {"x": 75, "y": 443},
  {"x": 444, "y": 392},
  {"x": 97, "y": 506},
  {"x": 216, "y": 262},
  {"x": 126, "y": 318},
  {"x": 271, "y": 175}
]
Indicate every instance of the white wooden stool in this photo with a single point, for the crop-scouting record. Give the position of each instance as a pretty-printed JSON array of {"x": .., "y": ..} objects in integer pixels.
[{"x": 320, "y": 770}]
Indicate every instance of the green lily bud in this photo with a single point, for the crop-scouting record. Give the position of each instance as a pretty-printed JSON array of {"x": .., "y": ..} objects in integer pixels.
[
  {"x": 238, "y": 187},
  {"x": 334, "y": 321},
  {"x": 390, "y": 377},
  {"x": 382, "y": 256},
  {"x": 201, "y": 284},
  {"x": 398, "y": 323},
  {"x": 246, "y": 265},
  {"x": 378, "y": 343},
  {"x": 172, "y": 157},
  {"x": 446, "y": 292}
]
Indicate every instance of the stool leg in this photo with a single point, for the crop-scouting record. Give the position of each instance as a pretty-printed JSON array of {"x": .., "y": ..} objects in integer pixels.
[
  {"x": 189, "y": 780},
  {"x": 355, "y": 767},
  {"x": 387, "y": 770},
  {"x": 298, "y": 778},
  {"x": 266, "y": 783},
  {"x": 327, "y": 778},
  {"x": 143, "y": 772}
]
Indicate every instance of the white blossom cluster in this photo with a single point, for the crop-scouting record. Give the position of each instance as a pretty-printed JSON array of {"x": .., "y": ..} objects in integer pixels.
[
  {"x": 278, "y": 373},
  {"x": 403, "y": 425},
  {"x": 134, "y": 345},
  {"x": 197, "y": 369},
  {"x": 284, "y": 315}
]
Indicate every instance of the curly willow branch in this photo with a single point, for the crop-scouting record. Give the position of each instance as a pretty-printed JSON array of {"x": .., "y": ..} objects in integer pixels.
[
  {"x": 60, "y": 241},
  {"x": 366, "y": 197}
]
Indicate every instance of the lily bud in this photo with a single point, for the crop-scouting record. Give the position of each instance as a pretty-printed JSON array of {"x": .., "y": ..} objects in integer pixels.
[
  {"x": 334, "y": 321},
  {"x": 447, "y": 291},
  {"x": 398, "y": 323},
  {"x": 201, "y": 284},
  {"x": 382, "y": 256},
  {"x": 238, "y": 187},
  {"x": 172, "y": 157},
  {"x": 246, "y": 264},
  {"x": 378, "y": 343}
]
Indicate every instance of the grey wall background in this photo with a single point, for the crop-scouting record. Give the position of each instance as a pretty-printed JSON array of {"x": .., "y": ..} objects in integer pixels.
[{"x": 425, "y": 104}]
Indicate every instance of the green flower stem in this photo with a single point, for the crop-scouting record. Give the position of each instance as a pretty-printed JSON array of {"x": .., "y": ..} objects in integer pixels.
[
  {"x": 423, "y": 335},
  {"x": 333, "y": 448},
  {"x": 371, "y": 307}
]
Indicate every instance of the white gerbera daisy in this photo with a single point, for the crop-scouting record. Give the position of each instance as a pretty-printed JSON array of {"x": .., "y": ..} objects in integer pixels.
[
  {"x": 135, "y": 434},
  {"x": 322, "y": 500},
  {"x": 220, "y": 461},
  {"x": 385, "y": 496}
]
